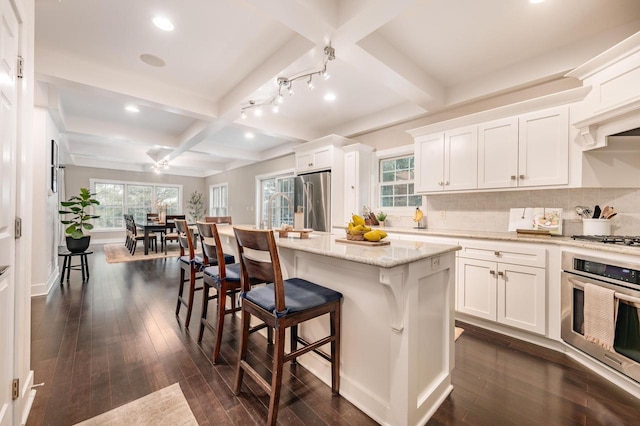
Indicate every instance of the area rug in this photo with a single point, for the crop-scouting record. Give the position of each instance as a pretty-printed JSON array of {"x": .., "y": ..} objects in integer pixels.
[
  {"x": 167, "y": 406},
  {"x": 459, "y": 331},
  {"x": 115, "y": 253}
]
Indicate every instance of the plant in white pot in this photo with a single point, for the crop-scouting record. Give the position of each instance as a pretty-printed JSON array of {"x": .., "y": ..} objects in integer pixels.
[{"x": 78, "y": 206}]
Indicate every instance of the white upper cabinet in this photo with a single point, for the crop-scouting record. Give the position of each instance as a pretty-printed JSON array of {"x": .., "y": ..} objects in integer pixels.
[
  {"x": 317, "y": 159},
  {"x": 525, "y": 151},
  {"x": 447, "y": 161},
  {"x": 543, "y": 157}
]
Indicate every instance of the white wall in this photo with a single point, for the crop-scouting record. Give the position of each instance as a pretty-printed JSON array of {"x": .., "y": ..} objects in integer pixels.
[{"x": 44, "y": 251}]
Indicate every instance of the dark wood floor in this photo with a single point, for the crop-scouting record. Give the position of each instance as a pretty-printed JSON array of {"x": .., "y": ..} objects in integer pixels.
[{"x": 114, "y": 339}]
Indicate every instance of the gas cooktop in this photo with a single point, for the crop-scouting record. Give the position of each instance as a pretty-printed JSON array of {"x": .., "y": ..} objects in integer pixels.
[{"x": 626, "y": 240}]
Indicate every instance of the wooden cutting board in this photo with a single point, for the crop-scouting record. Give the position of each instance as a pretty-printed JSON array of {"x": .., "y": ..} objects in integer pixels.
[{"x": 364, "y": 243}]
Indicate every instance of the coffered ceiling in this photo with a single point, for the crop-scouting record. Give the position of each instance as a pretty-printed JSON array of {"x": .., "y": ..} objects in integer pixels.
[{"x": 395, "y": 60}]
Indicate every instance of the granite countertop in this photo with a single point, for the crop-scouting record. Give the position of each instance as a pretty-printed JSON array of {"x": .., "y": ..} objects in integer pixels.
[
  {"x": 515, "y": 237},
  {"x": 396, "y": 254}
]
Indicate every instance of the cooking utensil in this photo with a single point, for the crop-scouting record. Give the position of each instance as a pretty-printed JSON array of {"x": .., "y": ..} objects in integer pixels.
[
  {"x": 609, "y": 213},
  {"x": 584, "y": 212},
  {"x": 596, "y": 212},
  {"x": 612, "y": 215},
  {"x": 605, "y": 212}
]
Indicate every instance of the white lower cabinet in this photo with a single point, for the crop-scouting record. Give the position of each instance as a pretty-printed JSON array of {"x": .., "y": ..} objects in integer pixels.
[{"x": 508, "y": 293}]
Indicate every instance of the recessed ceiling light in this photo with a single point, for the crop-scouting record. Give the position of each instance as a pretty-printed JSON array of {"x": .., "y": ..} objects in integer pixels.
[
  {"x": 132, "y": 108},
  {"x": 249, "y": 135},
  {"x": 152, "y": 60},
  {"x": 163, "y": 23},
  {"x": 329, "y": 97}
]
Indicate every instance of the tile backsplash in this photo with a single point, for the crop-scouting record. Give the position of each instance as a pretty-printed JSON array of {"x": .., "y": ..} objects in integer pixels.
[{"x": 489, "y": 211}]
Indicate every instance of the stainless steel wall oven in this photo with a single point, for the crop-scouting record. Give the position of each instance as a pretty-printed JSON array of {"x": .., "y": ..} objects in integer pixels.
[{"x": 624, "y": 280}]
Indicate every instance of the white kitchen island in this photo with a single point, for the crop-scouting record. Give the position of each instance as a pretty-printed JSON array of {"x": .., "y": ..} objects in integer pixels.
[{"x": 397, "y": 321}]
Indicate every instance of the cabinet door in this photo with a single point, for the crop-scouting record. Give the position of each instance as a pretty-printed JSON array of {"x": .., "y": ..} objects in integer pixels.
[
  {"x": 522, "y": 297},
  {"x": 429, "y": 163},
  {"x": 477, "y": 288},
  {"x": 351, "y": 200},
  {"x": 461, "y": 159},
  {"x": 322, "y": 159},
  {"x": 303, "y": 162},
  {"x": 543, "y": 157},
  {"x": 498, "y": 154}
]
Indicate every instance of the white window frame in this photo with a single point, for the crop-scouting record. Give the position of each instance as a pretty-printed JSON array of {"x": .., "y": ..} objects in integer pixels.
[
  {"x": 92, "y": 185},
  {"x": 387, "y": 154},
  {"x": 224, "y": 203},
  {"x": 287, "y": 173}
]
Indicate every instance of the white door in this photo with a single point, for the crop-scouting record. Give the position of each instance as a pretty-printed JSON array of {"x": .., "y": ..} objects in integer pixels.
[
  {"x": 429, "y": 163},
  {"x": 461, "y": 159},
  {"x": 351, "y": 201},
  {"x": 477, "y": 288},
  {"x": 498, "y": 154},
  {"x": 8, "y": 182}
]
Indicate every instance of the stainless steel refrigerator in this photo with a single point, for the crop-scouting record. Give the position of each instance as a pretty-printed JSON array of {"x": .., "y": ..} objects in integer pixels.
[{"x": 312, "y": 192}]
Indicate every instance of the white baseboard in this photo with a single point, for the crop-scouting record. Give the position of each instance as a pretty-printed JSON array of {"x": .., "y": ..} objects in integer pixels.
[{"x": 42, "y": 289}]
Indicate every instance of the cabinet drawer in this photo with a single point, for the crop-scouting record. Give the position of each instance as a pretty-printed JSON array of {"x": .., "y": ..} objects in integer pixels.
[{"x": 505, "y": 253}]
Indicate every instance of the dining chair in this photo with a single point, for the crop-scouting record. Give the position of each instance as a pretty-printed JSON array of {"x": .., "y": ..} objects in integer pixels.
[
  {"x": 218, "y": 219},
  {"x": 280, "y": 305},
  {"x": 224, "y": 277},
  {"x": 133, "y": 230},
  {"x": 189, "y": 263},
  {"x": 170, "y": 233}
]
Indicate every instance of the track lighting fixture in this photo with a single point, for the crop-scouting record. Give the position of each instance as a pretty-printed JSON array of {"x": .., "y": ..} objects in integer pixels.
[{"x": 286, "y": 83}]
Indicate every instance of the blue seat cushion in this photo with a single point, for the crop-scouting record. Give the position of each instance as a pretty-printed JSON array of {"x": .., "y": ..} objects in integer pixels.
[
  {"x": 199, "y": 261},
  {"x": 300, "y": 295},
  {"x": 232, "y": 271}
]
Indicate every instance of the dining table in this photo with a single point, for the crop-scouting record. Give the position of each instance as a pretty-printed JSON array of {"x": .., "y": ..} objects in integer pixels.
[{"x": 151, "y": 226}]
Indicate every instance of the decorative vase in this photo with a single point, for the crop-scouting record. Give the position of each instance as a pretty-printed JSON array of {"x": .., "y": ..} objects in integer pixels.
[
  {"x": 78, "y": 245},
  {"x": 381, "y": 223}
]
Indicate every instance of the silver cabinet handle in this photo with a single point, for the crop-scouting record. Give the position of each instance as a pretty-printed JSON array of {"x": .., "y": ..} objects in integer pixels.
[
  {"x": 497, "y": 253},
  {"x": 446, "y": 183},
  {"x": 440, "y": 183},
  {"x": 353, "y": 187},
  {"x": 513, "y": 177},
  {"x": 492, "y": 272},
  {"x": 521, "y": 176},
  {"x": 501, "y": 274}
]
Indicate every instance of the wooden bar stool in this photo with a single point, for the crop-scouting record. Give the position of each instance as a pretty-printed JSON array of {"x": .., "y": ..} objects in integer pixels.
[
  {"x": 281, "y": 304},
  {"x": 189, "y": 263},
  {"x": 224, "y": 277}
]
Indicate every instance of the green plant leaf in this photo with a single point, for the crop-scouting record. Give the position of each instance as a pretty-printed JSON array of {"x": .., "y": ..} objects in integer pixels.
[{"x": 87, "y": 226}]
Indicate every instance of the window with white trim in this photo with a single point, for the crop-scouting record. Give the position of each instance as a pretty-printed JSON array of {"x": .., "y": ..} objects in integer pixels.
[
  {"x": 218, "y": 199},
  {"x": 396, "y": 183},
  {"x": 117, "y": 198}
]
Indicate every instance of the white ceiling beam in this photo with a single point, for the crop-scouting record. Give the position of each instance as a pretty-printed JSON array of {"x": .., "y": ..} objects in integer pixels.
[
  {"x": 366, "y": 19},
  {"x": 69, "y": 71},
  {"x": 301, "y": 18},
  {"x": 108, "y": 130}
]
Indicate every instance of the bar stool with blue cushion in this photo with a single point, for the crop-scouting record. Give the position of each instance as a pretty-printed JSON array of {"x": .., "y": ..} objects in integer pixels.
[
  {"x": 282, "y": 304},
  {"x": 224, "y": 277},
  {"x": 189, "y": 263}
]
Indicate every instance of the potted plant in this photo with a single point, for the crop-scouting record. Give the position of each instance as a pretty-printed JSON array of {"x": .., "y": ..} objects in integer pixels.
[
  {"x": 381, "y": 216},
  {"x": 78, "y": 206},
  {"x": 196, "y": 206}
]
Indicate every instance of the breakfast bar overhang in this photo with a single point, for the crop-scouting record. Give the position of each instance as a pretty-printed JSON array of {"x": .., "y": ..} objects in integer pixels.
[{"x": 397, "y": 348}]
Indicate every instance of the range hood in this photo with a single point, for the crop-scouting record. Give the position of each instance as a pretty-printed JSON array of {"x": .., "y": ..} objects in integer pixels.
[{"x": 610, "y": 113}]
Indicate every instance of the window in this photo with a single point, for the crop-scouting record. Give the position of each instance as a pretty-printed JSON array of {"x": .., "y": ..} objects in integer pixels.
[
  {"x": 138, "y": 199},
  {"x": 280, "y": 209},
  {"x": 396, "y": 183},
  {"x": 218, "y": 195}
]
